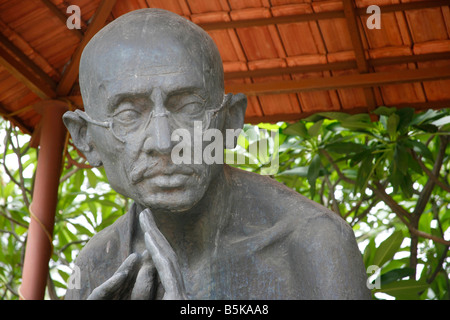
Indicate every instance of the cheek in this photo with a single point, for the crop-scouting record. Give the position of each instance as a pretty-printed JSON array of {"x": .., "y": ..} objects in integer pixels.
[{"x": 117, "y": 177}]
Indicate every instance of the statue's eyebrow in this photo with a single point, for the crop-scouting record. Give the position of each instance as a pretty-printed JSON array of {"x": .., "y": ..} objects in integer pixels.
[
  {"x": 115, "y": 100},
  {"x": 118, "y": 98},
  {"x": 192, "y": 90}
]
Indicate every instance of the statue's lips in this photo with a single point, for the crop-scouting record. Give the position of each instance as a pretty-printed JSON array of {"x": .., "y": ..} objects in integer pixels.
[
  {"x": 172, "y": 177},
  {"x": 169, "y": 181}
]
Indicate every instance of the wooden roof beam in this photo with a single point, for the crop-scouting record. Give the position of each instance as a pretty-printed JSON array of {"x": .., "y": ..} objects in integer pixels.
[
  {"x": 317, "y": 15},
  {"x": 61, "y": 16},
  {"x": 16, "y": 120},
  {"x": 361, "y": 80},
  {"x": 343, "y": 65},
  {"x": 25, "y": 70},
  {"x": 98, "y": 21},
  {"x": 298, "y": 116},
  {"x": 406, "y": 6},
  {"x": 272, "y": 20},
  {"x": 358, "y": 47}
]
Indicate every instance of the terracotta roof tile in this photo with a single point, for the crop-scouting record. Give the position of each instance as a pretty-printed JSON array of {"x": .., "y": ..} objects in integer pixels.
[{"x": 291, "y": 57}]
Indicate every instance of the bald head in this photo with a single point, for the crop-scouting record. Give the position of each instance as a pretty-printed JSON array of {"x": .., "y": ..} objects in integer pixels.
[{"x": 143, "y": 44}]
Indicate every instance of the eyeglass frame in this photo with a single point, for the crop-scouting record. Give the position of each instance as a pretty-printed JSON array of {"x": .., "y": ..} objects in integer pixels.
[{"x": 109, "y": 123}]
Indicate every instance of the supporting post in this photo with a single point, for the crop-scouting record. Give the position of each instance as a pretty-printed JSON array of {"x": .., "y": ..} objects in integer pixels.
[{"x": 42, "y": 210}]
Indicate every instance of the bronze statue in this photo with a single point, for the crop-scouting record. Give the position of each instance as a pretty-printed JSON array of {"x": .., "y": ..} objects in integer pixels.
[{"x": 195, "y": 230}]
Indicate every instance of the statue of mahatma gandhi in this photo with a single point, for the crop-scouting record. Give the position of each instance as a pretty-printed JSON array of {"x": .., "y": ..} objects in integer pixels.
[{"x": 195, "y": 231}]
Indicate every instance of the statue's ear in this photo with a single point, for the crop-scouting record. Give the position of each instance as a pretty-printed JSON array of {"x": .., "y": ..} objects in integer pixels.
[
  {"x": 77, "y": 127},
  {"x": 236, "y": 104}
]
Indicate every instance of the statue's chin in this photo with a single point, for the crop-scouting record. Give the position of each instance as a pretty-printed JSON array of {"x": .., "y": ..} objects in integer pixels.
[
  {"x": 173, "y": 202},
  {"x": 172, "y": 208}
]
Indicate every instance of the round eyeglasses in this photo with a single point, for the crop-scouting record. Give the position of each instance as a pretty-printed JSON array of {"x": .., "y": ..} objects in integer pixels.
[{"x": 120, "y": 129}]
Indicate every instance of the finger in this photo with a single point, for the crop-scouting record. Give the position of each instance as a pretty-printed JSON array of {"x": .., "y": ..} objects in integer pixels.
[
  {"x": 163, "y": 256},
  {"x": 144, "y": 288},
  {"x": 112, "y": 286},
  {"x": 130, "y": 263},
  {"x": 107, "y": 289},
  {"x": 147, "y": 221},
  {"x": 149, "y": 226},
  {"x": 168, "y": 270}
]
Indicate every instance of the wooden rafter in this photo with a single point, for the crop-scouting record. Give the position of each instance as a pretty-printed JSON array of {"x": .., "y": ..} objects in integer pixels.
[
  {"x": 407, "y": 59},
  {"x": 25, "y": 70},
  {"x": 361, "y": 80},
  {"x": 71, "y": 73},
  {"x": 61, "y": 16},
  {"x": 358, "y": 47},
  {"x": 407, "y": 6},
  {"x": 342, "y": 65},
  {"x": 16, "y": 120},
  {"x": 273, "y": 20},
  {"x": 298, "y": 116},
  {"x": 318, "y": 15}
]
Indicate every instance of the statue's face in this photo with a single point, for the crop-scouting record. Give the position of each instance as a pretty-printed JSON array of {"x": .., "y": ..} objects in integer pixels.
[{"x": 143, "y": 99}]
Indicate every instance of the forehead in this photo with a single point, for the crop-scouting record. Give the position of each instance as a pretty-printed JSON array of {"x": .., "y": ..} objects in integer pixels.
[
  {"x": 168, "y": 79},
  {"x": 137, "y": 68}
]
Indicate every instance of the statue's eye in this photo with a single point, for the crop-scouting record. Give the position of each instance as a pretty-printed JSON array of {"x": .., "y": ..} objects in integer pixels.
[
  {"x": 188, "y": 105},
  {"x": 127, "y": 116},
  {"x": 191, "y": 109}
]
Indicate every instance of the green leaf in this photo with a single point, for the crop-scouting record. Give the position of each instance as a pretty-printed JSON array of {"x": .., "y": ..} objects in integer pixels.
[
  {"x": 329, "y": 115},
  {"x": 314, "y": 130},
  {"x": 392, "y": 125},
  {"x": 78, "y": 180},
  {"x": 424, "y": 117},
  {"x": 369, "y": 252},
  {"x": 396, "y": 274},
  {"x": 429, "y": 128},
  {"x": 242, "y": 141},
  {"x": 442, "y": 121},
  {"x": 345, "y": 147},
  {"x": 401, "y": 158},
  {"x": 313, "y": 172},
  {"x": 404, "y": 289},
  {"x": 297, "y": 129},
  {"x": 425, "y": 222},
  {"x": 406, "y": 115},
  {"x": 92, "y": 178},
  {"x": 364, "y": 173},
  {"x": 388, "y": 248},
  {"x": 297, "y": 171},
  {"x": 385, "y": 111},
  {"x": 358, "y": 122},
  {"x": 269, "y": 126},
  {"x": 419, "y": 148},
  {"x": 357, "y": 158}
]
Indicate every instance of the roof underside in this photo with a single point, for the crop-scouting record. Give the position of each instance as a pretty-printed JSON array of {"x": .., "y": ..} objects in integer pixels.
[{"x": 291, "y": 57}]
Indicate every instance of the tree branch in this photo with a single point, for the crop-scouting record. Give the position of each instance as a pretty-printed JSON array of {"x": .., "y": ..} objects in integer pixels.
[
  {"x": 401, "y": 213},
  {"x": 427, "y": 190},
  {"x": 11, "y": 233},
  {"x": 334, "y": 203},
  {"x": 379, "y": 191},
  {"x": 336, "y": 168},
  {"x": 430, "y": 174}
]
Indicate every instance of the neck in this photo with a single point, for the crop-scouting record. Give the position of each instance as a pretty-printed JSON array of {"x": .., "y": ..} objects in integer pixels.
[{"x": 192, "y": 233}]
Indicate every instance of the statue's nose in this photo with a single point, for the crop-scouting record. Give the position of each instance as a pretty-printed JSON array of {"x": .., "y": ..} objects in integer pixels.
[{"x": 157, "y": 133}]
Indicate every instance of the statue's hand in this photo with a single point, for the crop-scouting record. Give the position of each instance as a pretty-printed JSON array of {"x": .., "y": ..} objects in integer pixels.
[
  {"x": 163, "y": 257},
  {"x": 117, "y": 286}
]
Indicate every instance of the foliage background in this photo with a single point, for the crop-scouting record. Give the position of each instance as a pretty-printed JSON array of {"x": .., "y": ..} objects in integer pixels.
[{"x": 386, "y": 174}]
